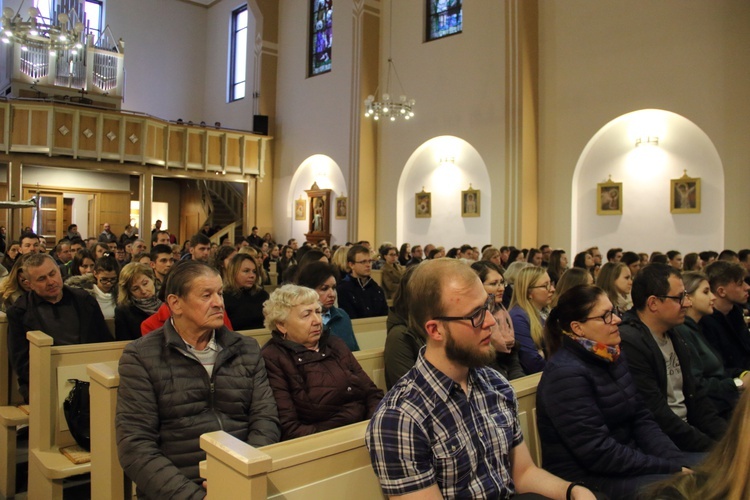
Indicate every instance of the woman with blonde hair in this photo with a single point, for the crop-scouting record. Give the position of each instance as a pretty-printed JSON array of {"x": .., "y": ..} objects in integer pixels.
[
  {"x": 339, "y": 259},
  {"x": 510, "y": 277},
  {"x": 492, "y": 254},
  {"x": 570, "y": 278},
  {"x": 725, "y": 474},
  {"x": 136, "y": 300},
  {"x": 616, "y": 281},
  {"x": 533, "y": 292},
  {"x": 243, "y": 292},
  {"x": 15, "y": 284}
]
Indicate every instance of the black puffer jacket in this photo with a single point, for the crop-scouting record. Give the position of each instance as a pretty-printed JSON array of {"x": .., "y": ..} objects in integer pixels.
[
  {"x": 318, "y": 390},
  {"x": 166, "y": 401}
]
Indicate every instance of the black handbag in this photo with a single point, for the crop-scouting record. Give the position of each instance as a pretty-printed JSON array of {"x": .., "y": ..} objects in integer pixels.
[{"x": 77, "y": 409}]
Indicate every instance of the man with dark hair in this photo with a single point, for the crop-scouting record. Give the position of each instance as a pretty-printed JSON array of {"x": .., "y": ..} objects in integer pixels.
[
  {"x": 29, "y": 243},
  {"x": 674, "y": 259},
  {"x": 254, "y": 238},
  {"x": 729, "y": 256},
  {"x": 138, "y": 247},
  {"x": 155, "y": 230},
  {"x": 191, "y": 376},
  {"x": 659, "y": 360},
  {"x": 744, "y": 256},
  {"x": 63, "y": 256},
  {"x": 359, "y": 295},
  {"x": 614, "y": 255},
  {"x": 449, "y": 428},
  {"x": 293, "y": 243},
  {"x": 465, "y": 252},
  {"x": 107, "y": 235},
  {"x": 160, "y": 238},
  {"x": 504, "y": 255},
  {"x": 417, "y": 256},
  {"x": 73, "y": 232},
  {"x": 200, "y": 248},
  {"x": 546, "y": 253},
  {"x": 707, "y": 257},
  {"x": 76, "y": 245},
  {"x": 68, "y": 315},
  {"x": 725, "y": 329},
  {"x": 162, "y": 261},
  {"x": 129, "y": 235}
]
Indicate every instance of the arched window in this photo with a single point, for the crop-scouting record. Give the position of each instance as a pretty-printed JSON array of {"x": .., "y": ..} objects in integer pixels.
[
  {"x": 444, "y": 18},
  {"x": 321, "y": 36}
]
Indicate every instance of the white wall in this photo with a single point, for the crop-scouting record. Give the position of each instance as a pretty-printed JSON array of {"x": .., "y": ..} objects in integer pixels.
[
  {"x": 646, "y": 223},
  {"x": 80, "y": 213},
  {"x": 326, "y": 173},
  {"x": 445, "y": 182},
  {"x": 75, "y": 179},
  {"x": 458, "y": 83}
]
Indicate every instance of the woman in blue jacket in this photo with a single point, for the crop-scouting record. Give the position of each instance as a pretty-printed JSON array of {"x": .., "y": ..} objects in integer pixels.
[{"x": 592, "y": 425}]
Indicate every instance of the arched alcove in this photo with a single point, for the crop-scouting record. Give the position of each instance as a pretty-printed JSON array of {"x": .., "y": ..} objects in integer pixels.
[
  {"x": 320, "y": 169},
  {"x": 444, "y": 166},
  {"x": 646, "y": 223}
]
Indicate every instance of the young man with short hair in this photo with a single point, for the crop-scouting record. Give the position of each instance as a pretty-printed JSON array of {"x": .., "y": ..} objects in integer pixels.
[
  {"x": 162, "y": 261},
  {"x": 359, "y": 295},
  {"x": 29, "y": 243}
]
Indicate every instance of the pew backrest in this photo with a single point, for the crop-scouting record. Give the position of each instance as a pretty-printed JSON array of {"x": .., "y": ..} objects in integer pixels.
[{"x": 525, "y": 388}]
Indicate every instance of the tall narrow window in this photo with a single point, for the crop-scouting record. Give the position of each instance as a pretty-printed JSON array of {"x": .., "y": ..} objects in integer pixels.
[
  {"x": 238, "y": 56},
  {"x": 444, "y": 17},
  {"x": 321, "y": 36},
  {"x": 94, "y": 10}
]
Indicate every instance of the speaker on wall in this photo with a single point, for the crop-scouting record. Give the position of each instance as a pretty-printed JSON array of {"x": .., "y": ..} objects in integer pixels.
[{"x": 260, "y": 124}]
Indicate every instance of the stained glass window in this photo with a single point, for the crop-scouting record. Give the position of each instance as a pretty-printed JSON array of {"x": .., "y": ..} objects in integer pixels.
[
  {"x": 444, "y": 18},
  {"x": 321, "y": 36}
]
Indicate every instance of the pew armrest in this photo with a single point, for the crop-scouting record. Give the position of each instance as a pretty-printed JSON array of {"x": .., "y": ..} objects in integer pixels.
[
  {"x": 55, "y": 465},
  {"x": 239, "y": 456},
  {"x": 11, "y": 416}
]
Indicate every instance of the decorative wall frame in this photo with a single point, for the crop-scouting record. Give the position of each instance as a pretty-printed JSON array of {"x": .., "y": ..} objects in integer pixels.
[
  {"x": 342, "y": 207},
  {"x": 300, "y": 207},
  {"x": 470, "y": 202},
  {"x": 609, "y": 198},
  {"x": 685, "y": 195},
  {"x": 423, "y": 204}
]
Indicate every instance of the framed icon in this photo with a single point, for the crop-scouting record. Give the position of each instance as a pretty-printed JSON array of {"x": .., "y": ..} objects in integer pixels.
[
  {"x": 470, "y": 206},
  {"x": 423, "y": 205},
  {"x": 299, "y": 209},
  {"x": 685, "y": 195},
  {"x": 342, "y": 208},
  {"x": 609, "y": 198}
]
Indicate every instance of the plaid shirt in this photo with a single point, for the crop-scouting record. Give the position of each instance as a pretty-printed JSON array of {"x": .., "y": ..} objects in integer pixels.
[{"x": 427, "y": 430}]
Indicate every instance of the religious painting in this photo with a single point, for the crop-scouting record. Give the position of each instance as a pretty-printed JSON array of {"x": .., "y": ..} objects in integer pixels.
[
  {"x": 470, "y": 202},
  {"x": 341, "y": 207},
  {"x": 299, "y": 209},
  {"x": 609, "y": 198},
  {"x": 423, "y": 205},
  {"x": 685, "y": 195}
]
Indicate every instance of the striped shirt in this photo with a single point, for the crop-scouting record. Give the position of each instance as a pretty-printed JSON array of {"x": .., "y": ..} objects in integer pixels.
[{"x": 427, "y": 431}]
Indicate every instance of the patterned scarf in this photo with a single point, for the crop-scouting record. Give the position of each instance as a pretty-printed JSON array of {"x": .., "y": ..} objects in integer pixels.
[
  {"x": 149, "y": 306},
  {"x": 605, "y": 352}
]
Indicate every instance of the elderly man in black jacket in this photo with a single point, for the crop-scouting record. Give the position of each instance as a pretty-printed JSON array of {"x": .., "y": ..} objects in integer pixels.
[
  {"x": 659, "y": 360},
  {"x": 68, "y": 315},
  {"x": 187, "y": 378}
]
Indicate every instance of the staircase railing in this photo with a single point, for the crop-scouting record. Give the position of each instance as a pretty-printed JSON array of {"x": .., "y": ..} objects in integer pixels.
[
  {"x": 228, "y": 230},
  {"x": 229, "y": 195}
]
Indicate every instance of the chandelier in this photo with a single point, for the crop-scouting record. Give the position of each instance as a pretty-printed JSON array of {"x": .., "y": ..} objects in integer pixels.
[
  {"x": 38, "y": 32},
  {"x": 387, "y": 108}
]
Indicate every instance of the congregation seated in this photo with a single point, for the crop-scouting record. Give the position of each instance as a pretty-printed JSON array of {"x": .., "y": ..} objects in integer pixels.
[
  {"x": 616, "y": 280},
  {"x": 67, "y": 315},
  {"x": 317, "y": 382},
  {"x": 187, "y": 378},
  {"x": 533, "y": 292},
  {"x": 570, "y": 278},
  {"x": 359, "y": 295},
  {"x": 102, "y": 284},
  {"x": 592, "y": 424},
  {"x": 402, "y": 342},
  {"x": 321, "y": 277},
  {"x": 136, "y": 300},
  {"x": 659, "y": 360},
  {"x": 503, "y": 339},
  {"x": 725, "y": 328},
  {"x": 393, "y": 271},
  {"x": 243, "y": 293},
  {"x": 557, "y": 265},
  {"x": 511, "y": 273},
  {"x": 14, "y": 285},
  {"x": 721, "y": 384},
  {"x": 81, "y": 264}
]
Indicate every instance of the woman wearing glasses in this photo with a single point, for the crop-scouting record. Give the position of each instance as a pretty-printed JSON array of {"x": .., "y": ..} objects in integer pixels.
[
  {"x": 100, "y": 284},
  {"x": 533, "y": 292},
  {"x": 593, "y": 427}
]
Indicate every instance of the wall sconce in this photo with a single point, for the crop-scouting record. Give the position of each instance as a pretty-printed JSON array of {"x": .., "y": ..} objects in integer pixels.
[{"x": 648, "y": 140}]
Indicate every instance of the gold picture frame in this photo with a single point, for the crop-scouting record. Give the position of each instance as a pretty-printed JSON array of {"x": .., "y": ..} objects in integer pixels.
[
  {"x": 423, "y": 205},
  {"x": 342, "y": 207},
  {"x": 470, "y": 202},
  {"x": 685, "y": 195},
  {"x": 609, "y": 198},
  {"x": 300, "y": 209}
]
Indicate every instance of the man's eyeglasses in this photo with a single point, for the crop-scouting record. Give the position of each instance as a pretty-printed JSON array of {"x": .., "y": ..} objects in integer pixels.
[
  {"x": 607, "y": 317},
  {"x": 476, "y": 318},
  {"x": 679, "y": 298},
  {"x": 365, "y": 262},
  {"x": 547, "y": 285}
]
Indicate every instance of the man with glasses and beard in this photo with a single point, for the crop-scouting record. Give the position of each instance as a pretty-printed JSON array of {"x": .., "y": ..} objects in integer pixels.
[
  {"x": 659, "y": 360},
  {"x": 449, "y": 428}
]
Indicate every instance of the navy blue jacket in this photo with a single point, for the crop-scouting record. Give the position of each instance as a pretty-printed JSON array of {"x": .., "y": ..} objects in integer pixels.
[
  {"x": 729, "y": 335},
  {"x": 591, "y": 420},
  {"x": 647, "y": 366},
  {"x": 361, "y": 301}
]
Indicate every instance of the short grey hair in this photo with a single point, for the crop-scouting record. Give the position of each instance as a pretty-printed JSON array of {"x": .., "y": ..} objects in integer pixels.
[{"x": 283, "y": 299}]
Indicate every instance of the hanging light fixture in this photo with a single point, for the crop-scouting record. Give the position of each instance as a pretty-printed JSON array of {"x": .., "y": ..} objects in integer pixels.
[
  {"x": 38, "y": 32},
  {"x": 388, "y": 108}
]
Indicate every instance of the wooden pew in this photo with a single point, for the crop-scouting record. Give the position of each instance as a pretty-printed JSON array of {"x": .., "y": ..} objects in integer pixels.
[
  {"x": 332, "y": 464},
  {"x": 108, "y": 480},
  {"x": 9, "y": 394},
  {"x": 49, "y": 368},
  {"x": 377, "y": 275}
]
